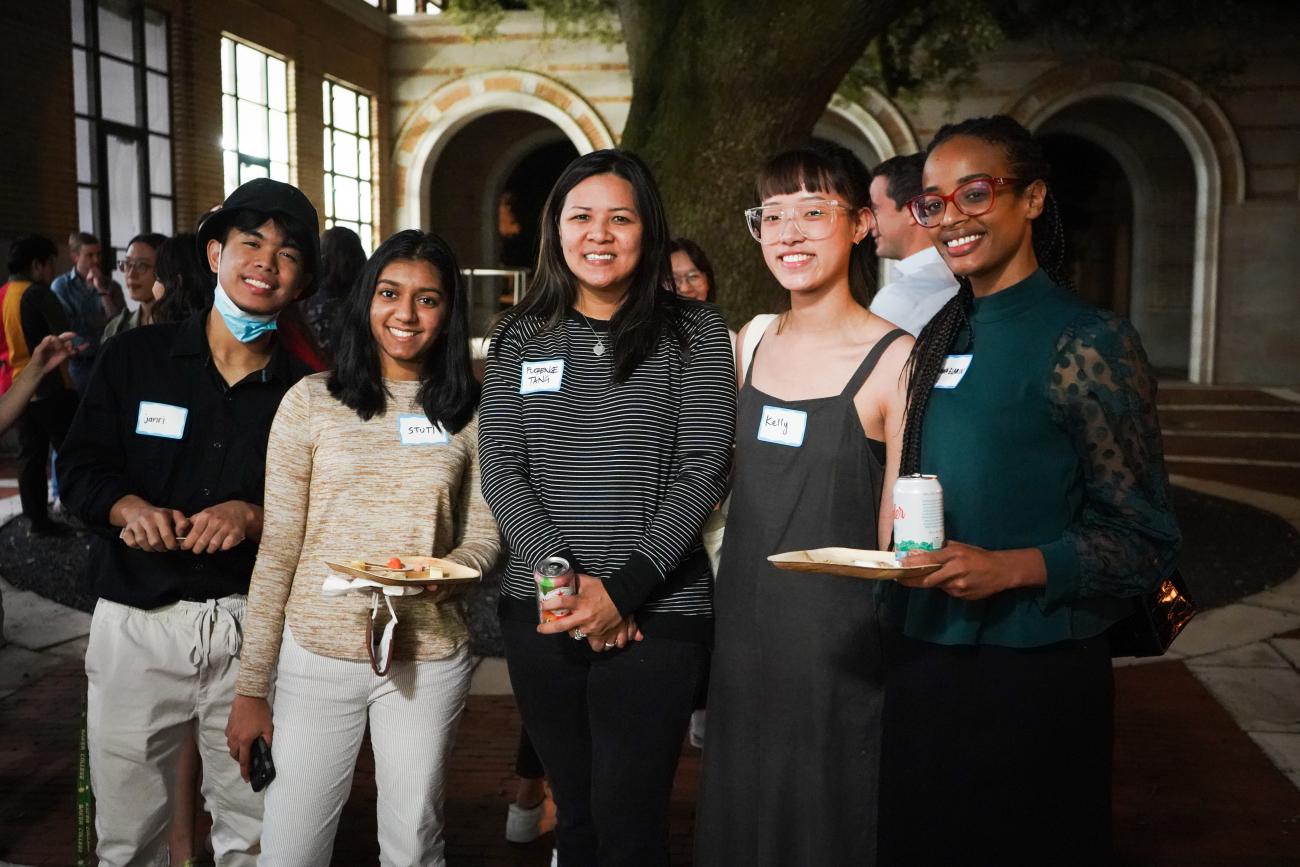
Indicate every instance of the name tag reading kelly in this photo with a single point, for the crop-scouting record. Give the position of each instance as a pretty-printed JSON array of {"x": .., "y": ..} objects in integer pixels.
[
  {"x": 541, "y": 375},
  {"x": 954, "y": 368},
  {"x": 161, "y": 420},
  {"x": 784, "y": 427},
  {"x": 417, "y": 430}
]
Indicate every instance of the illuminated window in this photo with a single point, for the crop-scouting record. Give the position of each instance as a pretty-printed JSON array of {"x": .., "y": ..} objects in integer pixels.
[
  {"x": 122, "y": 103},
  {"x": 420, "y": 7},
  {"x": 255, "y": 114},
  {"x": 349, "y": 161}
]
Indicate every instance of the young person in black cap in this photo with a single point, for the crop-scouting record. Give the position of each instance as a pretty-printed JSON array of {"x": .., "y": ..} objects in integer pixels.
[{"x": 164, "y": 463}]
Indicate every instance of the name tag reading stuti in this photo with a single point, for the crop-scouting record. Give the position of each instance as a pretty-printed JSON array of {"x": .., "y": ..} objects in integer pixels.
[
  {"x": 954, "y": 368},
  {"x": 785, "y": 427},
  {"x": 417, "y": 430},
  {"x": 541, "y": 375},
  {"x": 161, "y": 420}
]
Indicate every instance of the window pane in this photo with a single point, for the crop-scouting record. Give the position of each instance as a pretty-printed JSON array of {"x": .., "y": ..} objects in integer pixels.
[
  {"x": 123, "y": 190},
  {"x": 329, "y": 196},
  {"x": 80, "y": 83},
  {"x": 229, "y": 127},
  {"x": 227, "y": 66},
  {"x": 155, "y": 39},
  {"x": 160, "y": 217},
  {"x": 345, "y": 198},
  {"x": 328, "y": 151},
  {"x": 405, "y": 7},
  {"x": 250, "y": 171},
  {"x": 345, "y": 109},
  {"x": 250, "y": 73},
  {"x": 160, "y": 166},
  {"x": 363, "y": 114},
  {"x": 117, "y": 89},
  {"x": 277, "y": 82},
  {"x": 115, "y": 34},
  {"x": 84, "y": 150},
  {"x": 279, "y": 137},
  {"x": 159, "y": 103},
  {"x": 280, "y": 172},
  {"x": 86, "y": 209},
  {"x": 231, "y": 166},
  {"x": 345, "y": 154},
  {"x": 325, "y": 99},
  {"x": 78, "y": 22},
  {"x": 363, "y": 200},
  {"x": 363, "y": 158},
  {"x": 252, "y": 130}
]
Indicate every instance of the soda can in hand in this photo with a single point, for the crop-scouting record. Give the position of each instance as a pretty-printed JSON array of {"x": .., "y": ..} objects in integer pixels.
[{"x": 553, "y": 577}]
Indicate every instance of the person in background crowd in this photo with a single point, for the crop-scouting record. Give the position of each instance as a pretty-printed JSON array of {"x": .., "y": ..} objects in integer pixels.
[
  {"x": 342, "y": 258},
  {"x": 692, "y": 271},
  {"x": 924, "y": 283},
  {"x": 399, "y": 405},
  {"x": 184, "y": 283},
  {"x": 1037, "y": 411},
  {"x": 607, "y": 423},
  {"x": 139, "y": 270},
  {"x": 165, "y": 465},
  {"x": 90, "y": 298},
  {"x": 793, "y": 750},
  {"x": 31, "y": 312}
]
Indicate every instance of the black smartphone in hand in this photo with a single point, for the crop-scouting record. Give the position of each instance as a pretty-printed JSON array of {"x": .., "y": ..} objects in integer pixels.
[{"x": 261, "y": 768}]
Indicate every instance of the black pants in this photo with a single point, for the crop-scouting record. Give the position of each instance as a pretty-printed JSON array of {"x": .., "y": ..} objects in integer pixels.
[
  {"x": 997, "y": 756},
  {"x": 527, "y": 765},
  {"x": 608, "y": 728},
  {"x": 42, "y": 426}
]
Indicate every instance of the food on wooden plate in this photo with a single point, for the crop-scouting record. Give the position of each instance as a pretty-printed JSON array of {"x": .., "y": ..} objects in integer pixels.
[{"x": 395, "y": 563}]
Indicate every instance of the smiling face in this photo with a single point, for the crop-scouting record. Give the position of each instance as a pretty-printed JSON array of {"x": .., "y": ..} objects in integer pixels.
[
  {"x": 994, "y": 249},
  {"x": 600, "y": 234},
  {"x": 260, "y": 269},
  {"x": 801, "y": 264},
  {"x": 407, "y": 313},
  {"x": 139, "y": 273},
  {"x": 690, "y": 281}
]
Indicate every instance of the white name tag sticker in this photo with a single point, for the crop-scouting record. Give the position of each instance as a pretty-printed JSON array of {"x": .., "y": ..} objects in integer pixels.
[
  {"x": 541, "y": 375},
  {"x": 161, "y": 420},
  {"x": 954, "y": 368},
  {"x": 782, "y": 426},
  {"x": 417, "y": 430}
]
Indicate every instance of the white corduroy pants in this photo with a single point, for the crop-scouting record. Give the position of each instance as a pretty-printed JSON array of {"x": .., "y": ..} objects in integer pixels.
[{"x": 320, "y": 712}]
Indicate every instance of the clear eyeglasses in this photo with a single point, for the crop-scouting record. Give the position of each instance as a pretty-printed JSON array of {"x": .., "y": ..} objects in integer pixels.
[
  {"x": 972, "y": 198},
  {"x": 139, "y": 266},
  {"x": 815, "y": 219}
]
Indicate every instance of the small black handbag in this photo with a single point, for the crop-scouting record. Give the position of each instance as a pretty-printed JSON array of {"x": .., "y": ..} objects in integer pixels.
[{"x": 1156, "y": 620}]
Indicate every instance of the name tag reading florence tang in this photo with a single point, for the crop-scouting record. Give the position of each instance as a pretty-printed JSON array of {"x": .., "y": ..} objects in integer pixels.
[
  {"x": 541, "y": 375},
  {"x": 417, "y": 430},
  {"x": 161, "y": 420},
  {"x": 784, "y": 427},
  {"x": 954, "y": 368}
]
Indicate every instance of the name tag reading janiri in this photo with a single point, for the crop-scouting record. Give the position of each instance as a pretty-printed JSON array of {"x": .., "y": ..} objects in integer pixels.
[
  {"x": 417, "y": 430},
  {"x": 541, "y": 375},
  {"x": 161, "y": 420},
  {"x": 782, "y": 426}
]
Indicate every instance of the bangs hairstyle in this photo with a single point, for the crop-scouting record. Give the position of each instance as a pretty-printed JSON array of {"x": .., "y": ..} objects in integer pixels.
[
  {"x": 298, "y": 235},
  {"x": 448, "y": 390},
  {"x": 187, "y": 282},
  {"x": 647, "y": 311},
  {"x": 827, "y": 168}
]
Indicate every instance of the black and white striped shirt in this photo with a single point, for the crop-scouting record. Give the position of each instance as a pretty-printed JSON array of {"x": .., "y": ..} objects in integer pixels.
[{"x": 618, "y": 478}]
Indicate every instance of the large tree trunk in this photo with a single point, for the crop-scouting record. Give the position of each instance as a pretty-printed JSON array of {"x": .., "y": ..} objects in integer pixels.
[{"x": 717, "y": 87}]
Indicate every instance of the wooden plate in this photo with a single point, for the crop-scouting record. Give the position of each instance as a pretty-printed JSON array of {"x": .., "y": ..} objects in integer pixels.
[
  {"x": 452, "y": 573},
  {"x": 842, "y": 561}
]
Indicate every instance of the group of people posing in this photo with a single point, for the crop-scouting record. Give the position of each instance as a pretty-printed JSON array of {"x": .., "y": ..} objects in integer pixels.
[{"x": 963, "y": 717}]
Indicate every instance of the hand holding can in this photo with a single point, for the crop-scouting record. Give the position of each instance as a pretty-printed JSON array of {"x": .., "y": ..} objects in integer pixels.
[{"x": 553, "y": 577}]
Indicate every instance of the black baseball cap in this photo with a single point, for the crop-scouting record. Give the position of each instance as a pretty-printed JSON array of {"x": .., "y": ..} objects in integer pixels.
[{"x": 273, "y": 198}]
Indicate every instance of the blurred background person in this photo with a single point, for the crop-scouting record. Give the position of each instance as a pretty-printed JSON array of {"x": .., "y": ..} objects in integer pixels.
[
  {"x": 89, "y": 298},
  {"x": 342, "y": 258},
  {"x": 183, "y": 283},
  {"x": 139, "y": 269}
]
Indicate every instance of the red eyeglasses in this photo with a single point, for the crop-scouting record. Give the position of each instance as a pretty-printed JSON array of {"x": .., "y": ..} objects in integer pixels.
[{"x": 972, "y": 198}]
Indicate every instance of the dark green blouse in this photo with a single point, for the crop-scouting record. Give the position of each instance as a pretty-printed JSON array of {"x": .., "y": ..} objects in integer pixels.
[{"x": 1050, "y": 440}]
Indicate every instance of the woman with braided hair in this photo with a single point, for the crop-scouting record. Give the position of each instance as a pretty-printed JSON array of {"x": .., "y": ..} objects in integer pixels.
[{"x": 1037, "y": 411}]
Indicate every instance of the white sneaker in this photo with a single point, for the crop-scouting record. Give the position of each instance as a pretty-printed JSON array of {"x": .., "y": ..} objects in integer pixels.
[
  {"x": 524, "y": 825},
  {"x": 696, "y": 734}
]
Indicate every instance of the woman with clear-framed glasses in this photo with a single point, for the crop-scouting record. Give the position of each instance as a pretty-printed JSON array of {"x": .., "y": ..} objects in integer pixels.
[
  {"x": 791, "y": 758},
  {"x": 1037, "y": 412},
  {"x": 138, "y": 269}
]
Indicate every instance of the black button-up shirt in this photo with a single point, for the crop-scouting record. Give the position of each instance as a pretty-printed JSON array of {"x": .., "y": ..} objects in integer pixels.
[{"x": 217, "y": 453}]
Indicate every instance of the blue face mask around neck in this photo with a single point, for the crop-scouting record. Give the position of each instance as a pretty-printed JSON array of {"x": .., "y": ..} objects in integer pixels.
[{"x": 246, "y": 327}]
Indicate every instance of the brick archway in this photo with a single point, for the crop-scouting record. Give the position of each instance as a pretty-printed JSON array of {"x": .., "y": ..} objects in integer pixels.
[
  {"x": 1211, "y": 143},
  {"x": 457, "y": 102}
]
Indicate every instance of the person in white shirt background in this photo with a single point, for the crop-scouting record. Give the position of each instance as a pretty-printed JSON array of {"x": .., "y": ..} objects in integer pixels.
[{"x": 921, "y": 281}]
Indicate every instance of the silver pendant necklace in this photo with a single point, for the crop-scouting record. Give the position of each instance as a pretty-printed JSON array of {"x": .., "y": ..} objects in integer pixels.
[{"x": 599, "y": 349}]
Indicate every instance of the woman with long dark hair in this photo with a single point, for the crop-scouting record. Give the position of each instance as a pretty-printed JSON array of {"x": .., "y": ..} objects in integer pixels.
[
  {"x": 793, "y": 747},
  {"x": 375, "y": 459},
  {"x": 1037, "y": 411},
  {"x": 607, "y": 421},
  {"x": 184, "y": 284}
]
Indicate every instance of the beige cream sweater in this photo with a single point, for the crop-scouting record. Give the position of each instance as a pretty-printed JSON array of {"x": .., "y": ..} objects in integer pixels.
[{"x": 340, "y": 489}]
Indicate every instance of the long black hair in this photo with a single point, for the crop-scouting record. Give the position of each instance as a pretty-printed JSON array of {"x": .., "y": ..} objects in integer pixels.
[
  {"x": 647, "y": 311},
  {"x": 1027, "y": 163},
  {"x": 448, "y": 390},
  {"x": 187, "y": 281},
  {"x": 341, "y": 259},
  {"x": 836, "y": 171}
]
